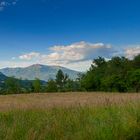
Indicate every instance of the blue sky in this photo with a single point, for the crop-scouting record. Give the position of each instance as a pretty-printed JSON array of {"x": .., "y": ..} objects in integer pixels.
[{"x": 67, "y": 32}]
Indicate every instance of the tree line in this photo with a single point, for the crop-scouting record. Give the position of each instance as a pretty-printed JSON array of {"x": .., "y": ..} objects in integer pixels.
[
  {"x": 118, "y": 74},
  {"x": 62, "y": 83}
]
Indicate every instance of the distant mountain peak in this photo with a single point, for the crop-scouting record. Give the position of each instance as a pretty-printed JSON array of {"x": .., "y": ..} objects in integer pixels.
[
  {"x": 43, "y": 72},
  {"x": 35, "y": 65}
]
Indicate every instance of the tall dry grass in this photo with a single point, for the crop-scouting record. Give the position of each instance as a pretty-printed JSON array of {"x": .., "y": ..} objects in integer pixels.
[
  {"x": 71, "y": 116},
  {"x": 43, "y": 101}
]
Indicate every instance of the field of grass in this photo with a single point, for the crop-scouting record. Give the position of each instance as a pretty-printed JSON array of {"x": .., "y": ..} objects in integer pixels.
[{"x": 71, "y": 116}]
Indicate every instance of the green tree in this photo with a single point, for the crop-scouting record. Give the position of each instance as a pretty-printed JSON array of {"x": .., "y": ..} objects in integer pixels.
[
  {"x": 136, "y": 62},
  {"x": 61, "y": 80},
  {"x": 37, "y": 85},
  {"x": 134, "y": 80},
  {"x": 107, "y": 75},
  {"x": 72, "y": 85},
  {"x": 51, "y": 86},
  {"x": 12, "y": 85},
  {"x": 115, "y": 76},
  {"x": 91, "y": 81},
  {"x": 99, "y": 62}
]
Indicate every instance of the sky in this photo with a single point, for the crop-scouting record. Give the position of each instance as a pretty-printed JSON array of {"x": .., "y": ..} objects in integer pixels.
[{"x": 69, "y": 33}]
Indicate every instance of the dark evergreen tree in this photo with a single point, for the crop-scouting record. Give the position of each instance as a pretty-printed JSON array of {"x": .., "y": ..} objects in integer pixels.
[{"x": 61, "y": 80}]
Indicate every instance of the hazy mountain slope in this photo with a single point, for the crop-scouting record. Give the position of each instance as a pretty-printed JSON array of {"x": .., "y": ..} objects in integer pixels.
[
  {"x": 43, "y": 72},
  {"x": 2, "y": 77}
]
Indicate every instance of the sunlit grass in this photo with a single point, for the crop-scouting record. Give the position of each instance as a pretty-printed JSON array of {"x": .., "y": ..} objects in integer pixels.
[{"x": 76, "y": 122}]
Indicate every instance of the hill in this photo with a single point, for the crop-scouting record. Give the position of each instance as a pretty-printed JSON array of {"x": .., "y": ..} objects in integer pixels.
[
  {"x": 2, "y": 79},
  {"x": 24, "y": 83},
  {"x": 43, "y": 72}
]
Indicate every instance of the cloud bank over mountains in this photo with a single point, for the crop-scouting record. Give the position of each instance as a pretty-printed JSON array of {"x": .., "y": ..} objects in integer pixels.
[
  {"x": 77, "y": 56},
  {"x": 77, "y": 52}
]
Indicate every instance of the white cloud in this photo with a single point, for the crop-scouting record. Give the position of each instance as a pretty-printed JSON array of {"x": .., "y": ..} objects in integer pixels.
[
  {"x": 12, "y": 63},
  {"x": 81, "y": 51},
  {"x": 6, "y": 3},
  {"x": 29, "y": 56},
  {"x": 80, "y": 66},
  {"x": 77, "y": 56},
  {"x": 132, "y": 52}
]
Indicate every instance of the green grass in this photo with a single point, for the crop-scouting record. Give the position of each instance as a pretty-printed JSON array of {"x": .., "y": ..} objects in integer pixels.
[{"x": 110, "y": 122}]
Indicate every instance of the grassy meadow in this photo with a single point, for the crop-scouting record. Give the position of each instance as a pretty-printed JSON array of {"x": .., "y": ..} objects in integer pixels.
[{"x": 70, "y": 116}]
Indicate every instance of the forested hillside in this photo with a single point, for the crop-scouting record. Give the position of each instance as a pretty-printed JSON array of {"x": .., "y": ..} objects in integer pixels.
[{"x": 118, "y": 74}]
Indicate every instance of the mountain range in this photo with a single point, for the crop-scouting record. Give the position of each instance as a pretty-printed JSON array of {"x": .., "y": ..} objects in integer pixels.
[{"x": 43, "y": 72}]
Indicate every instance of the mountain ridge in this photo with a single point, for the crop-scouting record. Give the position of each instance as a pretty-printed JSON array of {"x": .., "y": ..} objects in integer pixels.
[{"x": 43, "y": 72}]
